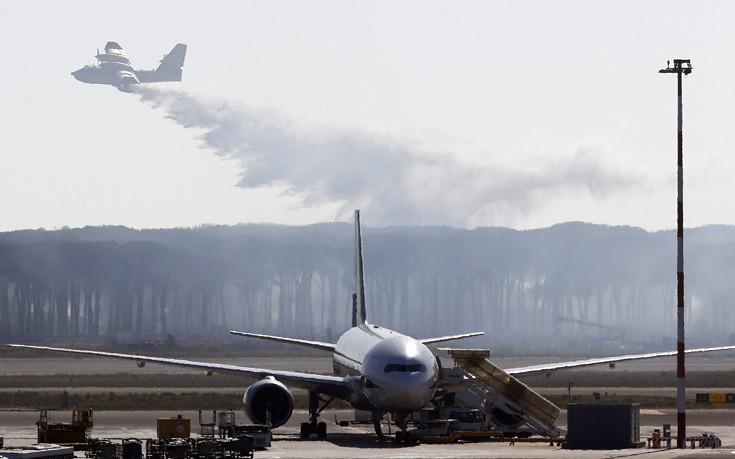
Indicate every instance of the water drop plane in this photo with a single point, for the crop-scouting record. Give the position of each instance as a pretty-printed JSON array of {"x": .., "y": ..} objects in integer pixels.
[{"x": 114, "y": 68}]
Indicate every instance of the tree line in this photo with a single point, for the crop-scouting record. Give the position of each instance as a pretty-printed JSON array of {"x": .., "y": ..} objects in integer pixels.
[{"x": 567, "y": 285}]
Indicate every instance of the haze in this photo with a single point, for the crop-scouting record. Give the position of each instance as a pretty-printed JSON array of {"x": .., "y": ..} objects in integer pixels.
[{"x": 520, "y": 114}]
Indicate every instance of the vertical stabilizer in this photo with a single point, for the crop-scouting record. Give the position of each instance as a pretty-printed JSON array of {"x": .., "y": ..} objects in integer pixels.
[
  {"x": 171, "y": 67},
  {"x": 359, "y": 315},
  {"x": 174, "y": 60}
]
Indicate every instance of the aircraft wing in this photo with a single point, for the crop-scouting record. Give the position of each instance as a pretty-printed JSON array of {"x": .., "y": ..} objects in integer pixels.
[
  {"x": 328, "y": 385},
  {"x": 549, "y": 367}
]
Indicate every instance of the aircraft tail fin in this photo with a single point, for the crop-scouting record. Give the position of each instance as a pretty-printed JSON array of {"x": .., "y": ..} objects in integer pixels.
[
  {"x": 170, "y": 69},
  {"x": 174, "y": 59},
  {"x": 359, "y": 314}
]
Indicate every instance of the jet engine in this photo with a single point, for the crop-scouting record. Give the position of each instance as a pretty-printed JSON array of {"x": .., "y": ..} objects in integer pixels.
[{"x": 268, "y": 395}]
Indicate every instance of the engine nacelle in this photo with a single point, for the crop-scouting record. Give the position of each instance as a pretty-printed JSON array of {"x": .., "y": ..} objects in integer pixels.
[{"x": 268, "y": 395}]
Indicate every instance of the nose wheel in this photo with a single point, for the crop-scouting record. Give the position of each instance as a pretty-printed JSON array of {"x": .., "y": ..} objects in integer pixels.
[{"x": 314, "y": 427}]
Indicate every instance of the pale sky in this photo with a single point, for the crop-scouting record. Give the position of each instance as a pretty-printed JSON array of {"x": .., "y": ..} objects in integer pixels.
[{"x": 513, "y": 113}]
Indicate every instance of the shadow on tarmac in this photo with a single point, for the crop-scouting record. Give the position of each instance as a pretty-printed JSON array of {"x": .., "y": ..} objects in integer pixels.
[{"x": 350, "y": 440}]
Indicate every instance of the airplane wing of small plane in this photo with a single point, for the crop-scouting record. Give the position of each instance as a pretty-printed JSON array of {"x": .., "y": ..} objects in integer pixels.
[
  {"x": 329, "y": 385},
  {"x": 549, "y": 367}
]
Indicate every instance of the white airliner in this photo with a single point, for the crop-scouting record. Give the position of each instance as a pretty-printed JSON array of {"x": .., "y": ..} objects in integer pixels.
[{"x": 376, "y": 369}]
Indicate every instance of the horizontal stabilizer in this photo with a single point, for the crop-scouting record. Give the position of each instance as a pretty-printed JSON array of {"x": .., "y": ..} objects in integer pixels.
[
  {"x": 442, "y": 339},
  {"x": 280, "y": 339}
]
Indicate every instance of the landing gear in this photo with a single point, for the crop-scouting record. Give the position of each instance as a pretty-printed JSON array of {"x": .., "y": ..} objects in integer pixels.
[
  {"x": 377, "y": 424},
  {"x": 378, "y": 430},
  {"x": 313, "y": 427},
  {"x": 400, "y": 421},
  {"x": 307, "y": 429}
]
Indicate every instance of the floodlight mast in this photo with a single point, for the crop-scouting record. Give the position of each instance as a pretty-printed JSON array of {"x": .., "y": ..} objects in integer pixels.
[{"x": 681, "y": 66}]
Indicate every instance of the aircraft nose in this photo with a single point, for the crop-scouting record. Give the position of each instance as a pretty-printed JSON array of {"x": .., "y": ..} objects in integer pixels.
[
  {"x": 400, "y": 392},
  {"x": 412, "y": 398}
]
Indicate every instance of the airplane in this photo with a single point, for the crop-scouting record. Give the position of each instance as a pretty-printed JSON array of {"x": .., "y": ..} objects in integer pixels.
[
  {"x": 114, "y": 68},
  {"x": 376, "y": 369}
]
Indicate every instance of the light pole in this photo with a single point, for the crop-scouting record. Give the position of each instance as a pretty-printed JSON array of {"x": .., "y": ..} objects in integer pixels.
[{"x": 681, "y": 66}]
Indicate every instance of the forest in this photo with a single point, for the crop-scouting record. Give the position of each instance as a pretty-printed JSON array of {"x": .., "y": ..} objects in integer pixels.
[{"x": 572, "y": 285}]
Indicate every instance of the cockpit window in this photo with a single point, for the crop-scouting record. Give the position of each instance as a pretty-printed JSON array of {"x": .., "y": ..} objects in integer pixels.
[{"x": 402, "y": 368}]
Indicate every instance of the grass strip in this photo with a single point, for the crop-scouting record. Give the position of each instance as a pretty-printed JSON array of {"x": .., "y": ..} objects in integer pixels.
[
  {"x": 611, "y": 378},
  {"x": 110, "y": 401}
]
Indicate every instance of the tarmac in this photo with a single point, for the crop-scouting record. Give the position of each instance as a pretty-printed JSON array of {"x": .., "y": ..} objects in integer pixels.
[{"x": 359, "y": 441}]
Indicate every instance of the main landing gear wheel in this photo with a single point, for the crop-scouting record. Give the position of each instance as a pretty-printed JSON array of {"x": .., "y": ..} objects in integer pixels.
[
  {"x": 314, "y": 427},
  {"x": 307, "y": 429}
]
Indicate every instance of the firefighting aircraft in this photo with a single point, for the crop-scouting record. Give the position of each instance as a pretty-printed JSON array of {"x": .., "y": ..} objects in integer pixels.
[
  {"x": 114, "y": 68},
  {"x": 376, "y": 369}
]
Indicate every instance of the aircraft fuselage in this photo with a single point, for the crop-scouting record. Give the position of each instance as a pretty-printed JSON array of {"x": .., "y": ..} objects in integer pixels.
[{"x": 109, "y": 73}]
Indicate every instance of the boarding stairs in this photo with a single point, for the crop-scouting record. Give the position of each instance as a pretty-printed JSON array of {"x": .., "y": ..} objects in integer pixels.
[{"x": 489, "y": 388}]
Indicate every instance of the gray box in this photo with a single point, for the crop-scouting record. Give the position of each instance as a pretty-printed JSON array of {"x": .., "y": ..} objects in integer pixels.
[{"x": 599, "y": 426}]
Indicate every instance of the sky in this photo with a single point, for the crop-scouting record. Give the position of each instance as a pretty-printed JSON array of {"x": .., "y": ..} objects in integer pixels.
[{"x": 465, "y": 113}]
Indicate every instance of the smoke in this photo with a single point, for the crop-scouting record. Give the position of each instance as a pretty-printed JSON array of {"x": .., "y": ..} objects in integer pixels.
[{"x": 393, "y": 181}]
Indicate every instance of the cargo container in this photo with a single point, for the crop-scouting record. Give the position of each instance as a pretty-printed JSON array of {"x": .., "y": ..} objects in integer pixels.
[
  {"x": 178, "y": 427},
  {"x": 602, "y": 426}
]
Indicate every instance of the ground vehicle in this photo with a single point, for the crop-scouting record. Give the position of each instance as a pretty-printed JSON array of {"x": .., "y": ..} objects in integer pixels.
[
  {"x": 470, "y": 419},
  {"x": 448, "y": 431}
]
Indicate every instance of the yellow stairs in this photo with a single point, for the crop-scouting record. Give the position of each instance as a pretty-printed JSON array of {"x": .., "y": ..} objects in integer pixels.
[{"x": 537, "y": 409}]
